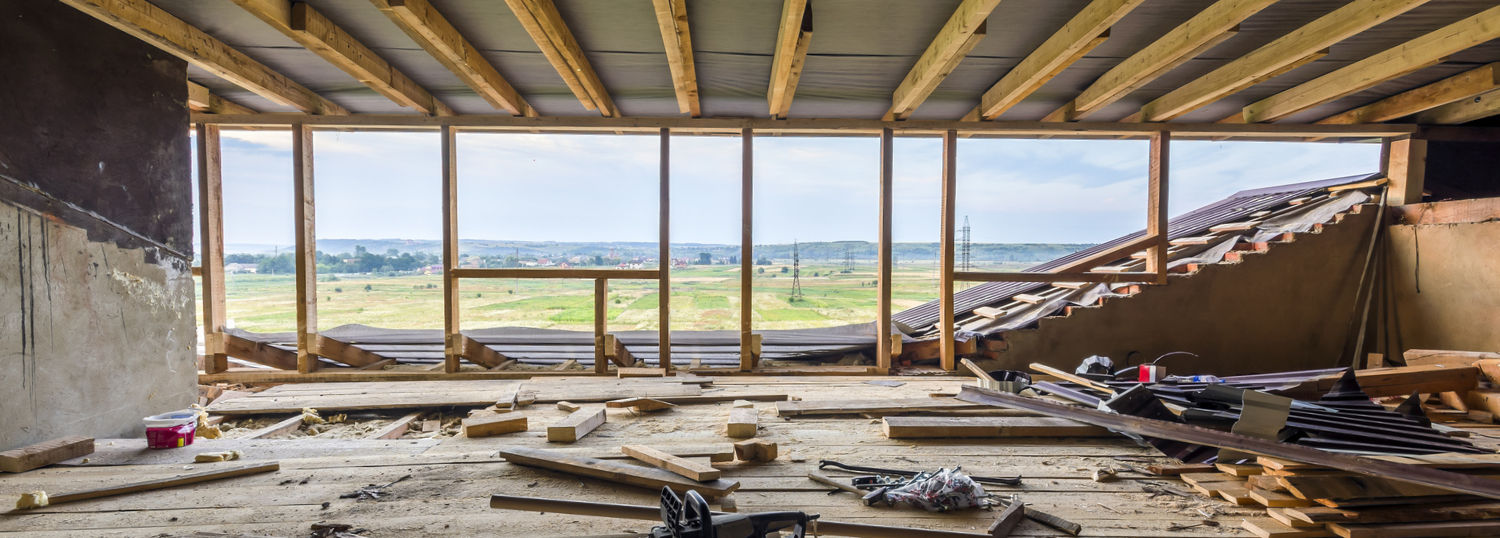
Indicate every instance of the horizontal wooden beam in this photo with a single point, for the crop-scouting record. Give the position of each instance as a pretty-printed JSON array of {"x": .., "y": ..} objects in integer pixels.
[
  {"x": 809, "y": 126},
  {"x": 154, "y": 25},
  {"x": 1275, "y": 57},
  {"x": 964, "y": 29},
  {"x": 1455, "y": 88},
  {"x": 1425, "y": 51},
  {"x": 430, "y": 29},
  {"x": 793, "y": 36},
  {"x": 1478, "y": 107},
  {"x": 550, "y": 32},
  {"x": 309, "y": 28},
  {"x": 544, "y": 272},
  {"x": 1204, "y": 30},
  {"x": 1001, "y": 276},
  {"x": 1075, "y": 38},
  {"x": 200, "y": 99},
  {"x": 677, "y": 40}
]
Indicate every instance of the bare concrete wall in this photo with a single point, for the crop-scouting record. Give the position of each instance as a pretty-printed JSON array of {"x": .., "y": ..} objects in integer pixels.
[
  {"x": 1287, "y": 309},
  {"x": 96, "y": 293},
  {"x": 1444, "y": 287}
]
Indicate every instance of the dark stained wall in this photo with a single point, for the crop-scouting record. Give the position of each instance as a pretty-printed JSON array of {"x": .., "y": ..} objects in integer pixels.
[
  {"x": 94, "y": 118},
  {"x": 1462, "y": 169}
]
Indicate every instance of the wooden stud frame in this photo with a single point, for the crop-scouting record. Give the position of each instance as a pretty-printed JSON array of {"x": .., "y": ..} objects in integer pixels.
[
  {"x": 211, "y": 235},
  {"x": 664, "y": 244},
  {"x": 1155, "y": 241}
]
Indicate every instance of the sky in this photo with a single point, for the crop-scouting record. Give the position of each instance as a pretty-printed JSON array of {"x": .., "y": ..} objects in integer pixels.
[{"x": 382, "y": 185}]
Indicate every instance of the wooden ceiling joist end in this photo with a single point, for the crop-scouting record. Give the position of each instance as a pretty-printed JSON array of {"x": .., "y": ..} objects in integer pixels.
[
  {"x": 151, "y": 24},
  {"x": 792, "y": 39},
  {"x": 1081, "y": 34},
  {"x": 672, "y": 19},
  {"x": 550, "y": 32},
  {"x": 432, "y": 31},
  {"x": 1459, "y": 87},
  {"x": 200, "y": 99},
  {"x": 953, "y": 42}
]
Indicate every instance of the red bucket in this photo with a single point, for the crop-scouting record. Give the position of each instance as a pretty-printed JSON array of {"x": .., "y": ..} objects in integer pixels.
[{"x": 171, "y": 430}]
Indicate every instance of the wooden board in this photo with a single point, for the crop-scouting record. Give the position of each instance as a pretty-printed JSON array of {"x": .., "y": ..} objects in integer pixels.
[
  {"x": 368, "y": 395},
  {"x": 1394, "y": 514},
  {"x": 491, "y": 424},
  {"x": 682, "y": 466},
  {"x": 575, "y": 426},
  {"x": 1417, "y": 530},
  {"x": 902, "y": 427},
  {"x": 743, "y": 422},
  {"x": 1270, "y": 528},
  {"x": 609, "y": 389},
  {"x": 396, "y": 428},
  {"x": 857, "y": 407},
  {"x": 614, "y": 471},
  {"x": 45, "y": 453}
]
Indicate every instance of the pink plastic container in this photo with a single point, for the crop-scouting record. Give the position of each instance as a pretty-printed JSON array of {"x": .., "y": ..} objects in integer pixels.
[{"x": 171, "y": 430}]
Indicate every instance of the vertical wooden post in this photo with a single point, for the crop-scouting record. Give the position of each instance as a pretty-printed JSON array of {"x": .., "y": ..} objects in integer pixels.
[
  {"x": 1156, "y": 206},
  {"x": 211, "y": 238},
  {"x": 946, "y": 346},
  {"x": 1405, "y": 165},
  {"x": 601, "y": 319},
  {"x": 664, "y": 244},
  {"x": 883, "y": 257},
  {"x": 747, "y": 246},
  {"x": 307, "y": 249},
  {"x": 453, "y": 345}
]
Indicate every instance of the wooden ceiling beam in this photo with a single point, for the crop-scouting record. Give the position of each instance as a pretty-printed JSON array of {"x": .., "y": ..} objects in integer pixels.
[
  {"x": 793, "y": 36},
  {"x": 1478, "y": 107},
  {"x": 1203, "y": 31},
  {"x": 154, "y": 25},
  {"x": 1425, "y": 51},
  {"x": 432, "y": 31},
  {"x": 1275, "y": 57},
  {"x": 550, "y": 33},
  {"x": 671, "y": 18},
  {"x": 309, "y": 28},
  {"x": 200, "y": 99},
  {"x": 1070, "y": 43},
  {"x": 958, "y": 36},
  {"x": 1455, "y": 88}
]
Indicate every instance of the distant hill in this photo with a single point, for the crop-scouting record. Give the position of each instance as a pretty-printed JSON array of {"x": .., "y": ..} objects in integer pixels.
[{"x": 816, "y": 251}]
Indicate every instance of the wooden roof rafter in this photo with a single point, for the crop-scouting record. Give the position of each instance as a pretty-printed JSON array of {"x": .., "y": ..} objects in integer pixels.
[
  {"x": 551, "y": 34},
  {"x": 1425, "y": 51},
  {"x": 153, "y": 25},
  {"x": 1277, "y": 57},
  {"x": 1459, "y": 87},
  {"x": 793, "y": 36},
  {"x": 432, "y": 31},
  {"x": 953, "y": 42},
  {"x": 315, "y": 32},
  {"x": 677, "y": 40},
  {"x": 1197, "y": 35},
  {"x": 1086, "y": 30},
  {"x": 1478, "y": 107}
]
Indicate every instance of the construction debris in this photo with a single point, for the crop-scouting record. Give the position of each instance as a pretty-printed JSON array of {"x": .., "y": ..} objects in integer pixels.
[{"x": 45, "y": 453}]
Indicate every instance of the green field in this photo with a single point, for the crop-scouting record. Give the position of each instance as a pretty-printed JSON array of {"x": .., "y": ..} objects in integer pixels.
[{"x": 703, "y": 298}]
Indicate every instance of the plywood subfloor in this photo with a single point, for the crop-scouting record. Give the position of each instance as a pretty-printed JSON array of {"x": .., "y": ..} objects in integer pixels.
[{"x": 450, "y": 481}]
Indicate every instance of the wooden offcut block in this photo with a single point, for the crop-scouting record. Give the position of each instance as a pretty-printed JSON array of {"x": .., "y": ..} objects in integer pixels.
[
  {"x": 575, "y": 426},
  {"x": 642, "y": 372},
  {"x": 45, "y": 453},
  {"x": 755, "y": 450},
  {"x": 743, "y": 422},
  {"x": 494, "y": 424}
]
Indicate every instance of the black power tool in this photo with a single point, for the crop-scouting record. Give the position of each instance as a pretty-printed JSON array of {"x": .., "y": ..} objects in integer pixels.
[{"x": 691, "y": 518}]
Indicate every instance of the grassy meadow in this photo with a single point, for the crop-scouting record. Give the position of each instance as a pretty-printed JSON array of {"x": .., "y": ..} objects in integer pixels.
[{"x": 703, "y": 298}]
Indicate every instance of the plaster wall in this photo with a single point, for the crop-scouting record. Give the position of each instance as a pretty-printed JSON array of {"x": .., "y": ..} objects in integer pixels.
[
  {"x": 1287, "y": 309},
  {"x": 1444, "y": 287}
]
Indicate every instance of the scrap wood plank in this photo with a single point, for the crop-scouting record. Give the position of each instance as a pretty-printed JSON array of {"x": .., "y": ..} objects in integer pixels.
[
  {"x": 682, "y": 466},
  {"x": 907, "y": 427},
  {"x": 1417, "y": 530},
  {"x": 1446, "y": 480},
  {"x": 368, "y": 395},
  {"x": 45, "y": 453},
  {"x": 575, "y": 426},
  {"x": 856, "y": 407},
  {"x": 603, "y": 392},
  {"x": 1404, "y": 380},
  {"x": 1270, "y": 528},
  {"x": 215, "y": 473},
  {"x": 625, "y": 372},
  {"x": 490, "y": 424},
  {"x": 1281, "y": 516},
  {"x": 280, "y": 428},
  {"x": 1272, "y": 499},
  {"x": 615, "y": 471},
  {"x": 1168, "y": 469},
  {"x": 638, "y": 404},
  {"x": 743, "y": 422},
  {"x": 1354, "y": 487},
  {"x": 1395, "y": 514},
  {"x": 396, "y": 428}
]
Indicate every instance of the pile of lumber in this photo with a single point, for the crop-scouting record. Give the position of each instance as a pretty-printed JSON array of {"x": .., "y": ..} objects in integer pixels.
[{"x": 1308, "y": 501}]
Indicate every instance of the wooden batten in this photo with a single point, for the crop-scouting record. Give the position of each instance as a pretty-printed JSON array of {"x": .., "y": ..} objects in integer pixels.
[
  {"x": 948, "y": 357},
  {"x": 211, "y": 236},
  {"x": 964, "y": 29},
  {"x": 793, "y": 35},
  {"x": 550, "y": 32},
  {"x": 1081, "y": 34},
  {"x": 307, "y": 249},
  {"x": 430, "y": 29}
]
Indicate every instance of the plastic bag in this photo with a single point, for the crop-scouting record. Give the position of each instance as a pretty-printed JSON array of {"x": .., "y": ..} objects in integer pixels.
[{"x": 941, "y": 491}]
